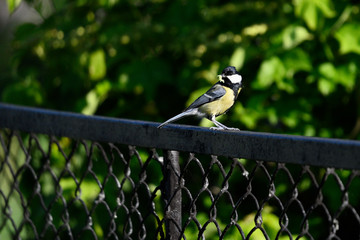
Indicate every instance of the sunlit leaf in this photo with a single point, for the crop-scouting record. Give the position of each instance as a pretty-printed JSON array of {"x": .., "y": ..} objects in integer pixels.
[
  {"x": 291, "y": 119},
  {"x": 326, "y": 7},
  {"x": 95, "y": 97},
  {"x": 238, "y": 57},
  {"x": 92, "y": 102},
  {"x": 312, "y": 11},
  {"x": 272, "y": 115},
  {"x": 326, "y": 86},
  {"x": 13, "y": 4},
  {"x": 328, "y": 71},
  {"x": 346, "y": 75},
  {"x": 246, "y": 116},
  {"x": 270, "y": 221},
  {"x": 349, "y": 38},
  {"x": 97, "y": 65},
  {"x": 256, "y": 29},
  {"x": 102, "y": 88},
  {"x": 294, "y": 35},
  {"x": 270, "y": 70},
  {"x": 307, "y": 11},
  {"x": 309, "y": 131},
  {"x": 326, "y": 82}
]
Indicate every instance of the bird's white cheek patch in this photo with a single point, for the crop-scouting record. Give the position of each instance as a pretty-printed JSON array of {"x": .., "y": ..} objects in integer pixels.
[{"x": 236, "y": 78}]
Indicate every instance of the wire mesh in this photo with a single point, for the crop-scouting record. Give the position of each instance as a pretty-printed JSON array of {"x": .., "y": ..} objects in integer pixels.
[{"x": 62, "y": 188}]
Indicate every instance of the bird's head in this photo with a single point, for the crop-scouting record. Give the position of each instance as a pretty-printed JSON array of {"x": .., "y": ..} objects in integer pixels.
[{"x": 230, "y": 74}]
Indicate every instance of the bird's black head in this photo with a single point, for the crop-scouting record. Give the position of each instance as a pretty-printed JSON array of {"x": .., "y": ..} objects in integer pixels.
[
  {"x": 230, "y": 76},
  {"x": 229, "y": 71}
]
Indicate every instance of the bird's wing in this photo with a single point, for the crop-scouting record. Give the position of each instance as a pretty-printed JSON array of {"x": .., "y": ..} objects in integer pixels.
[{"x": 212, "y": 94}]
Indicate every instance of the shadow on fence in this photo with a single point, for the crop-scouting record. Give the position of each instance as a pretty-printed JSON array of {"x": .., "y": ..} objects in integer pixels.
[{"x": 69, "y": 176}]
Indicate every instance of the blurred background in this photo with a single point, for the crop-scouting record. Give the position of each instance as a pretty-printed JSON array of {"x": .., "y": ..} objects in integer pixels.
[{"x": 149, "y": 59}]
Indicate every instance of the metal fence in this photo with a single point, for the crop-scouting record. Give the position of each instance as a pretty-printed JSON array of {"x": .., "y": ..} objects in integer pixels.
[{"x": 69, "y": 176}]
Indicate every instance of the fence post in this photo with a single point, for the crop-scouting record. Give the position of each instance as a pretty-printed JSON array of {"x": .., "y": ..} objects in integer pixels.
[{"x": 172, "y": 195}]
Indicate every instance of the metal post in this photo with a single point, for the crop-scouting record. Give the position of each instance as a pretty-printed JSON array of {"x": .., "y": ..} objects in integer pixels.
[{"x": 172, "y": 195}]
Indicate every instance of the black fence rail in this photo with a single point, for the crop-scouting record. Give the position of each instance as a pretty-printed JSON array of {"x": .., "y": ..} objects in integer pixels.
[{"x": 69, "y": 176}]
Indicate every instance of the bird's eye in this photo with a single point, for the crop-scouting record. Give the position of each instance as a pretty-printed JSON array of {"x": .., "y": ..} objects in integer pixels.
[{"x": 229, "y": 71}]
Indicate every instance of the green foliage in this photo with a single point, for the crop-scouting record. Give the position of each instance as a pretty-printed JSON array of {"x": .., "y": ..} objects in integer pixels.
[
  {"x": 149, "y": 59},
  {"x": 135, "y": 59},
  {"x": 349, "y": 38}
]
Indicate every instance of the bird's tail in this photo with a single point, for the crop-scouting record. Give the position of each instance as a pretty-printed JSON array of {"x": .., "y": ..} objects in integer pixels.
[{"x": 189, "y": 112}]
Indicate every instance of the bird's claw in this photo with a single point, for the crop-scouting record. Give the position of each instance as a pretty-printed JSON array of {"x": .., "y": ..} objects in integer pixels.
[
  {"x": 225, "y": 129},
  {"x": 233, "y": 129}
]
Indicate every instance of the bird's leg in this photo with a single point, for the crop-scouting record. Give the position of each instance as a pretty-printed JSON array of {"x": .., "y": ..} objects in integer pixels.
[{"x": 220, "y": 126}]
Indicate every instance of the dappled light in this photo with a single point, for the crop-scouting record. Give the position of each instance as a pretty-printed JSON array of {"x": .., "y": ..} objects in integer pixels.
[
  {"x": 299, "y": 60},
  {"x": 149, "y": 60}
]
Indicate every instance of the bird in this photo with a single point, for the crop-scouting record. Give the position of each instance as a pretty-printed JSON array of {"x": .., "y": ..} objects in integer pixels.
[{"x": 216, "y": 101}]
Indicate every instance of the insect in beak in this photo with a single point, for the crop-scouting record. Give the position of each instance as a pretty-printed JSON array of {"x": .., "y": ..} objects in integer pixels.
[{"x": 220, "y": 78}]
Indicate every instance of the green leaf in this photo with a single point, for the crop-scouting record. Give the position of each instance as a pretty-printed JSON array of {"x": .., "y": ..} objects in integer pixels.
[
  {"x": 307, "y": 11},
  {"x": 326, "y": 86},
  {"x": 330, "y": 75},
  {"x": 312, "y": 11},
  {"x": 238, "y": 57},
  {"x": 294, "y": 35},
  {"x": 297, "y": 60},
  {"x": 95, "y": 97},
  {"x": 246, "y": 116},
  {"x": 349, "y": 38},
  {"x": 328, "y": 71},
  {"x": 273, "y": 70},
  {"x": 270, "y": 71},
  {"x": 327, "y": 80},
  {"x": 97, "y": 65},
  {"x": 92, "y": 103},
  {"x": 326, "y": 7},
  {"x": 13, "y": 4},
  {"x": 286, "y": 84},
  {"x": 346, "y": 75}
]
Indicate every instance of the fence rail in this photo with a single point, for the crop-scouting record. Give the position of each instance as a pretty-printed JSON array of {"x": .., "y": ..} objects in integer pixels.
[
  {"x": 212, "y": 184},
  {"x": 313, "y": 151}
]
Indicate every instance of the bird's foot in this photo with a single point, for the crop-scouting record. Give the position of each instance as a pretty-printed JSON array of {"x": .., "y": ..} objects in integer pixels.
[
  {"x": 226, "y": 129},
  {"x": 232, "y": 129}
]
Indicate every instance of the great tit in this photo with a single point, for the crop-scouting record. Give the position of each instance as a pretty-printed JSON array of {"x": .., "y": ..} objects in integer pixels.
[{"x": 216, "y": 101}]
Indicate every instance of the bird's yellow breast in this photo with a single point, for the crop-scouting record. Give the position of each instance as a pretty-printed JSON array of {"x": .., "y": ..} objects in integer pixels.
[{"x": 220, "y": 105}]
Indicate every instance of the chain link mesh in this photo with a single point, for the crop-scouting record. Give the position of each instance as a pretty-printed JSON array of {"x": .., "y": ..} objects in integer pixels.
[{"x": 61, "y": 188}]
